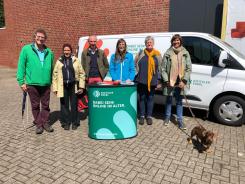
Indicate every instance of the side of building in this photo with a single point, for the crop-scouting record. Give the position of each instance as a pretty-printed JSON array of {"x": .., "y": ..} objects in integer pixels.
[{"x": 66, "y": 21}]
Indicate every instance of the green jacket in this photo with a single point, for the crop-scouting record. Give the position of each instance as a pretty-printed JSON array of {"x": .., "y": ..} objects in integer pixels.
[
  {"x": 102, "y": 62},
  {"x": 31, "y": 71},
  {"x": 166, "y": 68}
]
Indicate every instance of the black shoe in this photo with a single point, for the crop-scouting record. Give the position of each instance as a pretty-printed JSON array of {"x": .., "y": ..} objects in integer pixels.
[
  {"x": 48, "y": 127},
  {"x": 74, "y": 127},
  {"x": 39, "y": 130},
  {"x": 141, "y": 121},
  {"x": 62, "y": 124},
  {"x": 149, "y": 121},
  {"x": 66, "y": 127}
]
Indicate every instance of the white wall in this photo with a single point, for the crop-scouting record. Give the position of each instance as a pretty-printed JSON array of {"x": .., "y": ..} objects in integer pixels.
[{"x": 235, "y": 13}]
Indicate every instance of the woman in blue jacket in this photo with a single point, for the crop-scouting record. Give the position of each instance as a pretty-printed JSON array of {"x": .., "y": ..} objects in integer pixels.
[{"x": 122, "y": 66}]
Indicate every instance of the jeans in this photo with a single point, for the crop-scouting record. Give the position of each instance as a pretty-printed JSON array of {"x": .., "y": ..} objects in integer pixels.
[
  {"x": 179, "y": 106},
  {"x": 70, "y": 99},
  {"x": 145, "y": 100},
  {"x": 39, "y": 95}
]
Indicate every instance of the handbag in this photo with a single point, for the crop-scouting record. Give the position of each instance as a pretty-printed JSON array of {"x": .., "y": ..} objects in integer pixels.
[{"x": 82, "y": 102}]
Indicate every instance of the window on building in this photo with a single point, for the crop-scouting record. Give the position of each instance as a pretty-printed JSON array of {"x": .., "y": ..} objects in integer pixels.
[{"x": 2, "y": 20}]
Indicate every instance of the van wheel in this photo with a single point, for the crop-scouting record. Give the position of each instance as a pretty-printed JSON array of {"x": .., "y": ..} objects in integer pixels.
[{"x": 229, "y": 110}]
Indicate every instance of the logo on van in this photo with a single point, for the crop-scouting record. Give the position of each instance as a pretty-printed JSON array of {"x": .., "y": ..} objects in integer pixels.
[
  {"x": 199, "y": 82},
  {"x": 99, "y": 45}
]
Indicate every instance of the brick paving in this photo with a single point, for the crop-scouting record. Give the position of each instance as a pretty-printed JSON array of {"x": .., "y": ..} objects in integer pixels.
[{"x": 158, "y": 154}]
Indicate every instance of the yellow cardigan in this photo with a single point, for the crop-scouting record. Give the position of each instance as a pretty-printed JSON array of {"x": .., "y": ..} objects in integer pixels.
[{"x": 57, "y": 78}]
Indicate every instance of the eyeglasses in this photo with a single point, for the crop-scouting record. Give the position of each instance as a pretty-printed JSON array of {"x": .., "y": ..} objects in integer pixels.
[{"x": 42, "y": 37}]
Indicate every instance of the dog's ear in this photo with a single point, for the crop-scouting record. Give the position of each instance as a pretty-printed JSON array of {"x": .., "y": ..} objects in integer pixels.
[
  {"x": 209, "y": 135},
  {"x": 204, "y": 133}
]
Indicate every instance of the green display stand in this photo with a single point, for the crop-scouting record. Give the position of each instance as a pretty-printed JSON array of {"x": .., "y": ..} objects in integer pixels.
[{"x": 112, "y": 111}]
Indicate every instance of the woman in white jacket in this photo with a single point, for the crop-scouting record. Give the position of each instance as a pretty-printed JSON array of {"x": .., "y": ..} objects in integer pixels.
[{"x": 68, "y": 79}]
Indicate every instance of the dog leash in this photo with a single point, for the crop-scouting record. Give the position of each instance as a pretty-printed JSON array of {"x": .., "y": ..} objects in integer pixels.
[
  {"x": 193, "y": 115},
  {"x": 189, "y": 107}
]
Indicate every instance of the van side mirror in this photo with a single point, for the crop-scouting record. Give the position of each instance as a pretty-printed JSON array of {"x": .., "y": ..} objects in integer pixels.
[{"x": 222, "y": 58}]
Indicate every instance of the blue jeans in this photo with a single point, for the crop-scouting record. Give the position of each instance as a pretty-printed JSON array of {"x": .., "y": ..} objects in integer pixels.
[
  {"x": 179, "y": 106},
  {"x": 145, "y": 100}
]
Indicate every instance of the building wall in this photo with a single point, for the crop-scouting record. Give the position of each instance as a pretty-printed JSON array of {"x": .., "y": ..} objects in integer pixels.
[
  {"x": 207, "y": 19},
  {"x": 67, "y": 20}
]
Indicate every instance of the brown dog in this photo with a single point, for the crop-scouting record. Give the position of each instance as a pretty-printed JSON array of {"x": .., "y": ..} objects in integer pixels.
[{"x": 202, "y": 135}]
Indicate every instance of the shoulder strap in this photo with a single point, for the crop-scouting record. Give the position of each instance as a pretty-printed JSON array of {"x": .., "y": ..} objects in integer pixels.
[{"x": 138, "y": 56}]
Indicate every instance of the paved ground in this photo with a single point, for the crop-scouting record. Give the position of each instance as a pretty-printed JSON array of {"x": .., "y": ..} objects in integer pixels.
[{"x": 158, "y": 154}]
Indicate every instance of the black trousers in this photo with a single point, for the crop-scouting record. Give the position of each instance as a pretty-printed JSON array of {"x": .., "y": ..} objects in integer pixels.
[{"x": 68, "y": 105}]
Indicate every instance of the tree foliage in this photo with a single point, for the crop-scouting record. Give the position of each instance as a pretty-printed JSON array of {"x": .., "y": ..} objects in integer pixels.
[{"x": 2, "y": 20}]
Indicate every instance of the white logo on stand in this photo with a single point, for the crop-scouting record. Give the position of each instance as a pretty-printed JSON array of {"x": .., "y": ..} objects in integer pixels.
[{"x": 96, "y": 93}]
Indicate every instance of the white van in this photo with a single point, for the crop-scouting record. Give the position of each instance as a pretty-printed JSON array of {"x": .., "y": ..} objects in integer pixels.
[{"x": 218, "y": 70}]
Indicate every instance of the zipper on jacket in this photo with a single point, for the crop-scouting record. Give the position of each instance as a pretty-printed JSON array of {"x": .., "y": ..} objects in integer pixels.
[
  {"x": 45, "y": 54},
  {"x": 121, "y": 72},
  {"x": 67, "y": 69}
]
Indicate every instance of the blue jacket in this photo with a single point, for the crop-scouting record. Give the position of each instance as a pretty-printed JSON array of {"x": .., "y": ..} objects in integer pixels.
[{"x": 122, "y": 70}]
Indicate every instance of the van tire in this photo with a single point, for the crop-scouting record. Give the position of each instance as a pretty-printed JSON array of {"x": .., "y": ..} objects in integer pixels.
[{"x": 223, "y": 107}]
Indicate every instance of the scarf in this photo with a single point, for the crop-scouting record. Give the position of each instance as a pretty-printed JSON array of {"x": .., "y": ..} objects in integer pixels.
[
  {"x": 177, "y": 65},
  {"x": 151, "y": 66}
]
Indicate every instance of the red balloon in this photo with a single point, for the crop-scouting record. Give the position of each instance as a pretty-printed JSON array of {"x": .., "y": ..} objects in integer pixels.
[
  {"x": 86, "y": 45},
  {"x": 106, "y": 51},
  {"x": 99, "y": 43}
]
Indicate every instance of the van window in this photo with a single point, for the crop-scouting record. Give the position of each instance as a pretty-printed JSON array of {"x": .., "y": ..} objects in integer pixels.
[
  {"x": 202, "y": 51},
  {"x": 235, "y": 51}
]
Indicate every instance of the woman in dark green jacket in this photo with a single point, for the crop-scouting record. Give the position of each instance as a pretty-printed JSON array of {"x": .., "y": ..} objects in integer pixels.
[{"x": 176, "y": 69}]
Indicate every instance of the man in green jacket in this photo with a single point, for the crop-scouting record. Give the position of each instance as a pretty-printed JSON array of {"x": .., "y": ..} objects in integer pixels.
[{"x": 34, "y": 76}]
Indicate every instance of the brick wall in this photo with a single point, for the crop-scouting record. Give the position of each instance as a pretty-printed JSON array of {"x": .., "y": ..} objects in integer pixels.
[{"x": 67, "y": 20}]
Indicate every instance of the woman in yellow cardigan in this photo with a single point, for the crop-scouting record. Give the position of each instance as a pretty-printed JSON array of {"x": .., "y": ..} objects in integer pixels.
[{"x": 68, "y": 80}]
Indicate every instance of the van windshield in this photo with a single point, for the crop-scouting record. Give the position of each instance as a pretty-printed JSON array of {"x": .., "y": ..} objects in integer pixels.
[{"x": 239, "y": 54}]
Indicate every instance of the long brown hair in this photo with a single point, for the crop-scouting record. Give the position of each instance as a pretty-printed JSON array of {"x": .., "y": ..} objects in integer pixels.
[{"x": 118, "y": 55}]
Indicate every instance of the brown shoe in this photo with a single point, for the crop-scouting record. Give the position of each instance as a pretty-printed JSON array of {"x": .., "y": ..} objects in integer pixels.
[
  {"x": 48, "y": 127},
  {"x": 74, "y": 127},
  {"x": 141, "y": 121},
  {"x": 67, "y": 127},
  {"x": 149, "y": 121},
  {"x": 39, "y": 130}
]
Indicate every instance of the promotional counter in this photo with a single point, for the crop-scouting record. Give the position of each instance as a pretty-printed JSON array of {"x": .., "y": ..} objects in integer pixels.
[{"x": 112, "y": 111}]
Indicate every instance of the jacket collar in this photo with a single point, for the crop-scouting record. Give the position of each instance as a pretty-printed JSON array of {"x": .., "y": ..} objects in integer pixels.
[
  {"x": 61, "y": 58},
  {"x": 90, "y": 51},
  {"x": 170, "y": 51},
  {"x": 34, "y": 47},
  {"x": 46, "y": 51}
]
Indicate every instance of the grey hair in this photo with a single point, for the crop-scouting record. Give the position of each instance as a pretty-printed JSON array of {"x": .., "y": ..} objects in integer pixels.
[{"x": 148, "y": 38}]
